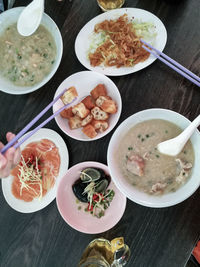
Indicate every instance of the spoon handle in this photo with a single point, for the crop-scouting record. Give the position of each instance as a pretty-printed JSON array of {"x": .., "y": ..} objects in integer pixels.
[{"x": 185, "y": 135}]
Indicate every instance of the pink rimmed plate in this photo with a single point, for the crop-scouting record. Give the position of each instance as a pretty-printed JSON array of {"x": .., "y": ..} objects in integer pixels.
[{"x": 79, "y": 219}]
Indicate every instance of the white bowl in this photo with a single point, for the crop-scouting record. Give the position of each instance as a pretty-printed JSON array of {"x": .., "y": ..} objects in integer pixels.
[
  {"x": 11, "y": 16},
  {"x": 84, "y": 82},
  {"x": 131, "y": 192}
]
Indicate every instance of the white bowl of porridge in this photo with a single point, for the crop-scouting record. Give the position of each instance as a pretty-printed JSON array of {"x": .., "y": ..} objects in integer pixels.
[
  {"x": 146, "y": 176},
  {"x": 27, "y": 63}
]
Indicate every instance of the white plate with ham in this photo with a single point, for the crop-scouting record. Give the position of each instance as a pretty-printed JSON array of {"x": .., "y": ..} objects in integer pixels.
[{"x": 33, "y": 183}]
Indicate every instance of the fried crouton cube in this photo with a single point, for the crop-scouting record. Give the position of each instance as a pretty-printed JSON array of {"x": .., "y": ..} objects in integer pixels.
[
  {"x": 69, "y": 95},
  {"x": 80, "y": 110},
  {"x": 99, "y": 90},
  {"x": 106, "y": 105},
  {"x": 86, "y": 120},
  {"x": 88, "y": 101},
  {"x": 74, "y": 122},
  {"x": 99, "y": 114},
  {"x": 89, "y": 131},
  {"x": 67, "y": 113},
  {"x": 100, "y": 125}
]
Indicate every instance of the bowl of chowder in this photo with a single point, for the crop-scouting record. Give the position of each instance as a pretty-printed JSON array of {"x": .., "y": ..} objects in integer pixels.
[
  {"x": 141, "y": 172},
  {"x": 27, "y": 63}
]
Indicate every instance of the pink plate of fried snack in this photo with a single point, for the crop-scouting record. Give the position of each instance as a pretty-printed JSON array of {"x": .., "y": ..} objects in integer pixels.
[
  {"x": 90, "y": 206},
  {"x": 95, "y": 111}
]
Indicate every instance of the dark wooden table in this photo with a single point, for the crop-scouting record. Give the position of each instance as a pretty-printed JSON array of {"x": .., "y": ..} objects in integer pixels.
[{"x": 157, "y": 237}]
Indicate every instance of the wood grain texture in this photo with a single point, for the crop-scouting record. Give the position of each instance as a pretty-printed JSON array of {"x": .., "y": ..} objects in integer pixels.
[{"x": 157, "y": 237}]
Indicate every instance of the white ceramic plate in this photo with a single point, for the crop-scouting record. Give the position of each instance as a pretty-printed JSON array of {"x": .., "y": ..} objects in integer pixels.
[
  {"x": 132, "y": 192},
  {"x": 84, "y": 82},
  {"x": 83, "y": 40},
  {"x": 10, "y": 17},
  {"x": 35, "y": 205}
]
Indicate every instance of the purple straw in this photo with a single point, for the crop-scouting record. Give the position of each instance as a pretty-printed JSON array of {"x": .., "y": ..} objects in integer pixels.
[
  {"x": 172, "y": 61},
  {"x": 30, "y": 124},
  {"x": 42, "y": 124},
  {"x": 172, "y": 66}
]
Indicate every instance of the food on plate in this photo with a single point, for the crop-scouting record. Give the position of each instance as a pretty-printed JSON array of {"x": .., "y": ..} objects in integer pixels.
[
  {"x": 87, "y": 120},
  {"x": 90, "y": 131},
  {"x": 107, "y": 105},
  {"x": 100, "y": 125},
  {"x": 99, "y": 90},
  {"x": 117, "y": 42},
  {"x": 37, "y": 171},
  {"x": 144, "y": 167},
  {"x": 92, "y": 113},
  {"x": 69, "y": 95},
  {"x": 74, "y": 122},
  {"x": 99, "y": 114},
  {"x": 88, "y": 101},
  {"x": 92, "y": 189},
  {"x": 25, "y": 61},
  {"x": 67, "y": 113},
  {"x": 80, "y": 110}
]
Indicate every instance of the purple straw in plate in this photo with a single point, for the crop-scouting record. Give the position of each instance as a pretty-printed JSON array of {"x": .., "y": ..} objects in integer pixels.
[
  {"x": 184, "y": 74},
  {"x": 30, "y": 124}
]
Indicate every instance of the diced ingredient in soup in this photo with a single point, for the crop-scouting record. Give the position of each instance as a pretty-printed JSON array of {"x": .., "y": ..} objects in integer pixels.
[
  {"x": 37, "y": 171},
  {"x": 135, "y": 165},
  {"x": 147, "y": 169},
  {"x": 25, "y": 61}
]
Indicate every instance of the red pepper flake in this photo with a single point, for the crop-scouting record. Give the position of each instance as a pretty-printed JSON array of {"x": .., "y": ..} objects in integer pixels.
[
  {"x": 90, "y": 207},
  {"x": 102, "y": 198},
  {"x": 96, "y": 197}
]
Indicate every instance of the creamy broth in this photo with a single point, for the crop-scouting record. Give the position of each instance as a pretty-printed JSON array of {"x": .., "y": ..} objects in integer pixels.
[
  {"x": 146, "y": 168},
  {"x": 25, "y": 61}
]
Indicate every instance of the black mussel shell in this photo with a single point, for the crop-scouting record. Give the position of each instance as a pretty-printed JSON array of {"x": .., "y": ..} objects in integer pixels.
[
  {"x": 90, "y": 174},
  {"x": 107, "y": 177},
  {"x": 78, "y": 188},
  {"x": 103, "y": 183},
  {"x": 101, "y": 186},
  {"x": 103, "y": 175}
]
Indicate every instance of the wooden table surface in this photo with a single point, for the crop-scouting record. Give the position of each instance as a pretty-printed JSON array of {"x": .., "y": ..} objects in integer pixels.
[{"x": 157, "y": 237}]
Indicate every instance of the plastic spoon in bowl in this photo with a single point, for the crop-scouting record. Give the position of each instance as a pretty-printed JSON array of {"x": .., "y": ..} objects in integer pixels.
[
  {"x": 173, "y": 147},
  {"x": 30, "y": 18}
]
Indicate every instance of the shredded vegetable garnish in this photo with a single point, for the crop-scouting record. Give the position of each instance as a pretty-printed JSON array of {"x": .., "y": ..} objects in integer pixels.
[
  {"x": 97, "y": 202},
  {"x": 117, "y": 42},
  {"x": 30, "y": 174}
]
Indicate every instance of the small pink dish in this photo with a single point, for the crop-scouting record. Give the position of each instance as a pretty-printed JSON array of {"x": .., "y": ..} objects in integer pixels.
[{"x": 79, "y": 219}]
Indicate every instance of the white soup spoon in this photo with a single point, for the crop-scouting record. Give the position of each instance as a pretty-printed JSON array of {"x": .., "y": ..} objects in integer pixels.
[
  {"x": 30, "y": 18},
  {"x": 173, "y": 147}
]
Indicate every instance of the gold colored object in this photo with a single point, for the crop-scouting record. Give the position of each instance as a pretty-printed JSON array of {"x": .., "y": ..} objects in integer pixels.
[
  {"x": 103, "y": 253},
  {"x": 117, "y": 243},
  {"x": 106, "y": 5}
]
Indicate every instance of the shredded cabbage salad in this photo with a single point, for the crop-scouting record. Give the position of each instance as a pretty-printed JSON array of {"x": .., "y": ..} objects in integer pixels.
[{"x": 144, "y": 30}]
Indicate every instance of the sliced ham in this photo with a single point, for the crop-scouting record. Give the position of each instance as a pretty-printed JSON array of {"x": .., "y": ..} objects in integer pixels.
[{"x": 135, "y": 164}]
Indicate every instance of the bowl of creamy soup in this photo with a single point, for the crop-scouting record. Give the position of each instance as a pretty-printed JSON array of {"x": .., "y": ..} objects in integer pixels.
[
  {"x": 141, "y": 172},
  {"x": 27, "y": 63}
]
